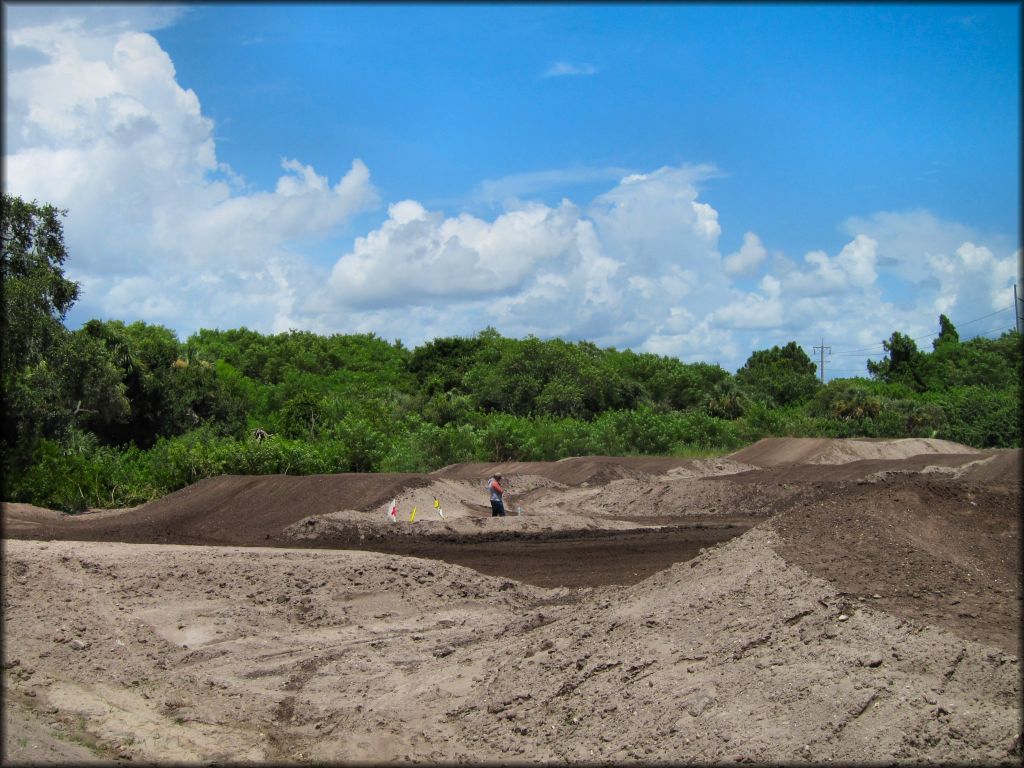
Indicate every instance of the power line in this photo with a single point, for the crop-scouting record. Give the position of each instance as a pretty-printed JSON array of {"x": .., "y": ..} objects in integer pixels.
[
  {"x": 1000, "y": 329},
  {"x": 991, "y": 314},
  {"x": 860, "y": 352},
  {"x": 881, "y": 347},
  {"x": 963, "y": 324}
]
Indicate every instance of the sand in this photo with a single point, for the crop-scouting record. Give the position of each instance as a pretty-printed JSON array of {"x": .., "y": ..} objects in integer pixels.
[{"x": 848, "y": 601}]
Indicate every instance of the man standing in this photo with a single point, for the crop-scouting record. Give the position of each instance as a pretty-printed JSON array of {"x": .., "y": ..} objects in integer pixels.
[{"x": 497, "y": 506}]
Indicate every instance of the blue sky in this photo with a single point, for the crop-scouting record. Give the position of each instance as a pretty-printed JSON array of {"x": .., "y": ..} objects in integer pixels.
[{"x": 698, "y": 181}]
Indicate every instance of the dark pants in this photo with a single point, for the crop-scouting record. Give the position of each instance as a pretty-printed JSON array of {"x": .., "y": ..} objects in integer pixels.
[{"x": 497, "y": 508}]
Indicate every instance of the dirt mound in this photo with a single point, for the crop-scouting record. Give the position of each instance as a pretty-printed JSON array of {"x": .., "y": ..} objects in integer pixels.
[
  {"x": 460, "y": 499},
  {"x": 28, "y": 518},
  {"x": 775, "y": 451},
  {"x": 234, "y": 510},
  {"x": 870, "y": 614},
  {"x": 739, "y": 656},
  {"x": 229, "y": 509},
  {"x": 1002, "y": 466},
  {"x": 210, "y": 654},
  {"x": 577, "y": 493},
  {"x": 592, "y": 470},
  {"x": 214, "y": 654},
  {"x": 927, "y": 548},
  {"x": 952, "y": 464}
]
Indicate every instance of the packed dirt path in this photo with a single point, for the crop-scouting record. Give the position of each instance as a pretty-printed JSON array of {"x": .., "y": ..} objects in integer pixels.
[{"x": 798, "y": 601}]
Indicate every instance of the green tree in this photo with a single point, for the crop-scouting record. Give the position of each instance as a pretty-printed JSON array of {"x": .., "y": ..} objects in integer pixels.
[
  {"x": 302, "y": 417},
  {"x": 779, "y": 376},
  {"x": 846, "y": 400},
  {"x": 94, "y": 392},
  {"x": 947, "y": 333},
  {"x": 980, "y": 416},
  {"x": 440, "y": 364},
  {"x": 992, "y": 363},
  {"x": 555, "y": 377},
  {"x": 902, "y": 363},
  {"x": 727, "y": 399},
  {"x": 36, "y": 294},
  {"x": 35, "y": 298}
]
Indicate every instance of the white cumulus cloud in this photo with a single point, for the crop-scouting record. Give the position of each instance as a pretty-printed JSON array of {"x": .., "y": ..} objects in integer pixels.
[
  {"x": 160, "y": 230},
  {"x": 954, "y": 268},
  {"x": 613, "y": 272},
  {"x": 97, "y": 123},
  {"x": 852, "y": 269},
  {"x": 747, "y": 259},
  {"x": 416, "y": 256}
]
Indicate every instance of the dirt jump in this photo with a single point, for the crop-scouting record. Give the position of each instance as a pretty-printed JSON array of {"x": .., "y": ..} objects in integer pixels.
[{"x": 799, "y": 601}]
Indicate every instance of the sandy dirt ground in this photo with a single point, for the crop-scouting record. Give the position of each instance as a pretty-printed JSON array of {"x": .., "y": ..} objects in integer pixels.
[{"x": 800, "y": 601}]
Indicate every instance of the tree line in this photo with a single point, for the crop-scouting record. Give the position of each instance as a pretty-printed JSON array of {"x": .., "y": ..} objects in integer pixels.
[{"x": 113, "y": 414}]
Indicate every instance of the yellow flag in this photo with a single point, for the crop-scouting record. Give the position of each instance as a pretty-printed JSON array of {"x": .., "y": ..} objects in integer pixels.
[{"x": 413, "y": 515}]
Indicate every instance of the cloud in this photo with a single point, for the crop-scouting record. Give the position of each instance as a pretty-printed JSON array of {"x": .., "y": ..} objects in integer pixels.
[
  {"x": 755, "y": 310},
  {"x": 514, "y": 186},
  {"x": 955, "y": 266},
  {"x": 859, "y": 298},
  {"x": 974, "y": 275},
  {"x": 644, "y": 213},
  {"x": 964, "y": 22},
  {"x": 799, "y": 298},
  {"x": 565, "y": 69},
  {"x": 242, "y": 230},
  {"x": 852, "y": 270},
  {"x": 417, "y": 256},
  {"x": 909, "y": 239},
  {"x": 159, "y": 229},
  {"x": 100, "y": 19},
  {"x": 97, "y": 124},
  {"x": 747, "y": 259},
  {"x": 611, "y": 272}
]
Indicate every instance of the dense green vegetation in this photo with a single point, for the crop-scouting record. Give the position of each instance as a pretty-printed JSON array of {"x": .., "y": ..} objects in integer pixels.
[{"x": 113, "y": 414}]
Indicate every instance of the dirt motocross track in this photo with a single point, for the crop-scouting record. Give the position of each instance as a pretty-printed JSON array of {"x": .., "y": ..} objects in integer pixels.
[{"x": 798, "y": 601}]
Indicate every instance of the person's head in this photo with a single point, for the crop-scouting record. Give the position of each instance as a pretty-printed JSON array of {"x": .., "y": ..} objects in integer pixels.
[{"x": 497, "y": 477}]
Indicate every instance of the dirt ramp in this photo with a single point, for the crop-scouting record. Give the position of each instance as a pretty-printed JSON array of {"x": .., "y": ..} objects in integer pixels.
[
  {"x": 27, "y": 516},
  {"x": 842, "y": 451},
  {"x": 773, "y": 451},
  {"x": 953, "y": 465},
  {"x": 776, "y": 451},
  {"x": 229, "y": 510},
  {"x": 577, "y": 470},
  {"x": 1002, "y": 466},
  {"x": 246, "y": 510}
]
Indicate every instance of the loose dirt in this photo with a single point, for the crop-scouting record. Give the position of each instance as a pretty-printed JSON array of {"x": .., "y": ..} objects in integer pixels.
[{"x": 798, "y": 601}]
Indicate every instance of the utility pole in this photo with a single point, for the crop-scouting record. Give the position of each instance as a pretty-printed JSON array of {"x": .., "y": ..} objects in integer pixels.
[
  {"x": 1016, "y": 309},
  {"x": 823, "y": 348}
]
